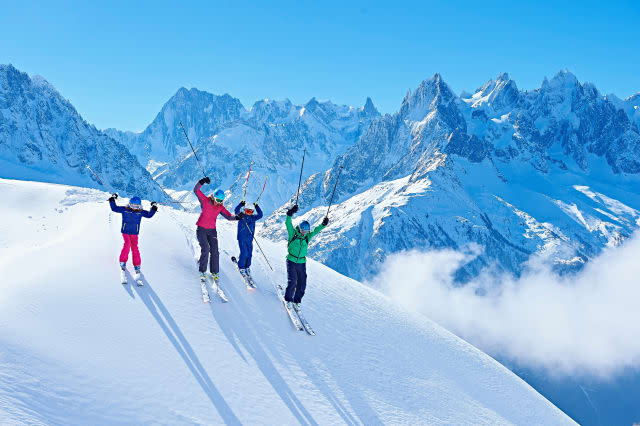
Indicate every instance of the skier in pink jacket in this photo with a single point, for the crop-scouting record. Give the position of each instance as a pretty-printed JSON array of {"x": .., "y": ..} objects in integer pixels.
[{"x": 207, "y": 234}]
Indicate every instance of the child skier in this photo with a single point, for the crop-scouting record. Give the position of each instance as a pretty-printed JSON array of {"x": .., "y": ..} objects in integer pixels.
[
  {"x": 207, "y": 234},
  {"x": 246, "y": 229},
  {"x": 298, "y": 243},
  {"x": 132, "y": 215}
]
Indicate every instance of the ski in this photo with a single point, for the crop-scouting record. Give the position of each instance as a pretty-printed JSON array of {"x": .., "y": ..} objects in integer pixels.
[
  {"x": 221, "y": 294},
  {"x": 203, "y": 288},
  {"x": 292, "y": 316},
  {"x": 248, "y": 280},
  {"x": 305, "y": 323}
]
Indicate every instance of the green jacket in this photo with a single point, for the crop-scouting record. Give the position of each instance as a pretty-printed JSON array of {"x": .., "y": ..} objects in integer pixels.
[{"x": 298, "y": 243}]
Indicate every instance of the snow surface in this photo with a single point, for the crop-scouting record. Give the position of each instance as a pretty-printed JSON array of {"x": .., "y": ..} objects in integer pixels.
[{"x": 77, "y": 347}]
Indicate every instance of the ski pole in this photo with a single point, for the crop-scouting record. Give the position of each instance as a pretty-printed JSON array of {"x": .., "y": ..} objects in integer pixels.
[
  {"x": 258, "y": 244},
  {"x": 334, "y": 190},
  {"x": 300, "y": 179},
  {"x": 99, "y": 180},
  {"x": 246, "y": 182},
  {"x": 263, "y": 187},
  {"x": 194, "y": 151},
  {"x": 96, "y": 176}
]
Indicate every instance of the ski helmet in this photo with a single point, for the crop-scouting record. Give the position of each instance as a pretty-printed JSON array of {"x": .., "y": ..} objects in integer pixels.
[
  {"x": 304, "y": 227},
  {"x": 135, "y": 202},
  {"x": 219, "y": 195}
]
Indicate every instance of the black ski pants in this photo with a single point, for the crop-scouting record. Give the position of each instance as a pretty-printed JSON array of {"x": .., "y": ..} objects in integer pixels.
[
  {"x": 296, "y": 281},
  {"x": 208, "y": 239}
]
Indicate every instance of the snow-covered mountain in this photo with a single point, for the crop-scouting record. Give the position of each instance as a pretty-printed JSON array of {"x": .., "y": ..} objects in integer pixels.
[
  {"x": 43, "y": 137},
  {"x": 78, "y": 347},
  {"x": 163, "y": 141},
  {"x": 272, "y": 134},
  {"x": 551, "y": 172},
  {"x": 630, "y": 105}
]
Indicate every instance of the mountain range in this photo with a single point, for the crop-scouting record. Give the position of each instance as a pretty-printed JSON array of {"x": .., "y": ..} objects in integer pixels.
[
  {"x": 227, "y": 138},
  {"x": 511, "y": 176},
  {"x": 551, "y": 173}
]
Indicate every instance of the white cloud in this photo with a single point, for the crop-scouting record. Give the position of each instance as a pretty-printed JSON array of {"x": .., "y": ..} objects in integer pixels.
[{"x": 583, "y": 323}]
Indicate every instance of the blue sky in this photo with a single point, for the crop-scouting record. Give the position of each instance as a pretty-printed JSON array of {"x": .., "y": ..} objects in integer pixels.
[{"x": 120, "y": 61}]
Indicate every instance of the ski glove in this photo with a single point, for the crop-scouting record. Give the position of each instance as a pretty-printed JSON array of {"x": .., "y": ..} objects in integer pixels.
[
  {"x": 293, "y": 210},
  {"x": 325, "y": 221},
  {"x": 204, "y": 180},
  {"x": 154, "y": 206},
  {"x": 255, "y": 205},
  {"x": 242, "y": 203}
]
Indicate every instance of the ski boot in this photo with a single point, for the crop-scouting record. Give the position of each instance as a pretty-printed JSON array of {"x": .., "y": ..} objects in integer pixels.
[
  {"x": 215, "y": 277},
  {"x": 123, "y": 273},
  {"x": 203, "y": 276},
  {"x": 138, "y": 276}
]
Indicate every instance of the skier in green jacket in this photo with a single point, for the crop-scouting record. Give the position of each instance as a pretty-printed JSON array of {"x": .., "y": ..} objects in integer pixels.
[{"x": 298, "y": 242}]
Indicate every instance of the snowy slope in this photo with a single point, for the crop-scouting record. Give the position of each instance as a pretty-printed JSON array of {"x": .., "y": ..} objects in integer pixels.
[
  {"x": 76, "y": 347},
  {"x": 43, "y": 137}
]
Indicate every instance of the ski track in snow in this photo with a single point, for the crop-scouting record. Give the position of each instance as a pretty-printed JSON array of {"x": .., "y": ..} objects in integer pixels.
[{"x": 78, "y": 347}]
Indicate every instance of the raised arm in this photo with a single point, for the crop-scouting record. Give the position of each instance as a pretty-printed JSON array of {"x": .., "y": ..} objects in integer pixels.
[
  {"x": 149, "y": 214},
  {"x": 290, "y": 229},
  {"x": 315, "y": 231},
  {"x": 258, "y": 211},
  {"x": 238, "y": 207},
  {"x": 198, "y": 191},
  {"x": 114, "y": 207}
]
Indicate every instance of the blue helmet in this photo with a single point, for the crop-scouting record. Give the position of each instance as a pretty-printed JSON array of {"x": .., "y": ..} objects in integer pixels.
[
  {"x": 135, "y": 202},
  {"x": 304, "y": 227},
  {"x": 219, "y": 194}
]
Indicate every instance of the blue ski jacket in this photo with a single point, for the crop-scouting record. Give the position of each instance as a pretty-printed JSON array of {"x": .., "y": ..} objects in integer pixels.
[
  {"x": 130, "y": 218},
  {"x": 247, "y": 221}
]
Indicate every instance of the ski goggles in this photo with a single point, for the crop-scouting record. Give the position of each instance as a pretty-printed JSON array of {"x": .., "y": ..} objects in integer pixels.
[
  {"x": 248, "y": 211},
  {"x": 218, "y": 200},
  {"x": 135, "y": 206}
]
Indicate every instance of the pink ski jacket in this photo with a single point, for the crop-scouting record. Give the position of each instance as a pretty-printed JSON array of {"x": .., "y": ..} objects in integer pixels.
[{"x": 210, "y": 211}]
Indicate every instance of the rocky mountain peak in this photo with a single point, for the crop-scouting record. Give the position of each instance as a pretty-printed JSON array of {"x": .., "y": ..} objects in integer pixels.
[
  {"x": 430, "y": 95},
  {"x": 369, "y": 109}
]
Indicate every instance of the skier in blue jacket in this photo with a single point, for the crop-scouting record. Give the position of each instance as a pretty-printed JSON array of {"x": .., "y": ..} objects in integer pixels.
[
  {"x": 132, "y": 215},
  {"x": 246, "y": 229}
]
